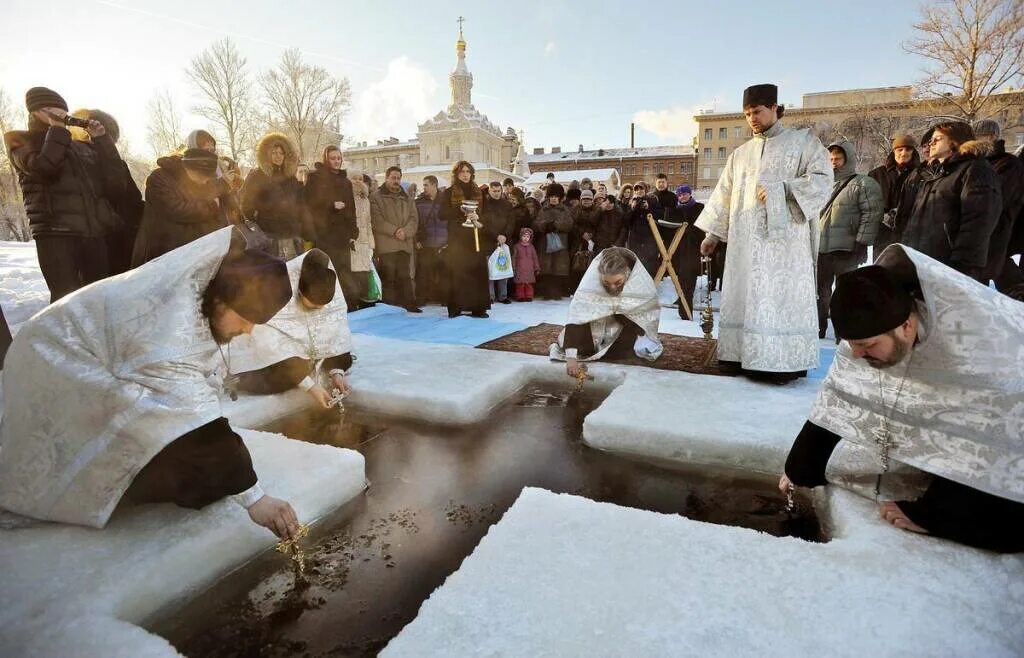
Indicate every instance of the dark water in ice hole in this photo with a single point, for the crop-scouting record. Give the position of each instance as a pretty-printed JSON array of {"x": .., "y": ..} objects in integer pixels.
[{"x": 434, "y": 493}]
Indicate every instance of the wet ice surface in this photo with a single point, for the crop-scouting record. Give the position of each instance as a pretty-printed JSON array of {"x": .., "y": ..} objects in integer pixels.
[{"x": 434, "y": 493}]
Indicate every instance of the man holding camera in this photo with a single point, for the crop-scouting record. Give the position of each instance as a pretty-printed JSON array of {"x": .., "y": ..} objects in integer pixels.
[
  {"x": 891, "y": 176},
  {"x": 69, "y": 188}
]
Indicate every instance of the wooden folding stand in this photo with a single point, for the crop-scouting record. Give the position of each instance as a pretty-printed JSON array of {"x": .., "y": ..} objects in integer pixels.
[{"x": 666, "y": 260}]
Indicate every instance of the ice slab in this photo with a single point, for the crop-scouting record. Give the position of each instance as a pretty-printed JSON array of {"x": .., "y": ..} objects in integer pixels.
[
  {"x": 699, "y": 419},
  {"x": 73, "y": 591},
  {"x": 565, "y": 576}
]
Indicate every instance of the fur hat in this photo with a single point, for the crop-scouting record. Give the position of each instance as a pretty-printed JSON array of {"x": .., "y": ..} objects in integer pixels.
[
  {"x": 200, "y": 161},
  {"x": 987, "y": 127},
  {"x": 37, "y": 98},
  {"x": 573, "y": 193},
  {"x": 904, "y": 140},
  {"x": 291, "y": 154},
  {"x": 763, "y": 94},
  {"x": 555, "y": 189}
]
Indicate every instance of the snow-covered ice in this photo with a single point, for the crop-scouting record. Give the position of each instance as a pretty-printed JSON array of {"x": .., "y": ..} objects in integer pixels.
[
  {"x": 565, "y": 576},
  {"x": 69, "y": 590},
  {"x": 23, "y": 291}
]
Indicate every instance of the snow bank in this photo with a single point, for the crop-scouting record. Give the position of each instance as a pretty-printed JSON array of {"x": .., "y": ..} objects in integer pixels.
[
  {"x": 561, "y": 575},
  {"x": 68, "y": 590},
  {"x": 23, "y": 291}
]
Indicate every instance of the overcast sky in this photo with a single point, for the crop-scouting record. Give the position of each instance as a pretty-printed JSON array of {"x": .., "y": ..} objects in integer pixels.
[{"x": 564, "y": 72}]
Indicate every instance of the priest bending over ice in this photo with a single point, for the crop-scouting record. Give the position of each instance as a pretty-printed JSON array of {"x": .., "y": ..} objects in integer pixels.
[
  {"x": 614, "y": 313},
  {"x": 114, "y": 391},
  {"x": 307, "y": 342},
  {"x": 931, "y": 374}
]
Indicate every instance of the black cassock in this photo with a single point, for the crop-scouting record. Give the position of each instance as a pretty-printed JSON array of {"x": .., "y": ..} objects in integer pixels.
[{"x": 467, "y": 267}]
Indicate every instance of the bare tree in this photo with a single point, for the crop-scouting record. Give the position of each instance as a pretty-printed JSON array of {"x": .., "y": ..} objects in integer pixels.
[
  {"x": 13, "y": 218},
  {"x": 164, "y": 130},
  {"x": 974, "y": 48},
  {"x": 221, "y": 78},
  {"x": 306, "y": 101}
]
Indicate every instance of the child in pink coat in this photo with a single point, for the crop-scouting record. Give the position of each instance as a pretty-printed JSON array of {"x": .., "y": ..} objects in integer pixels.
[{"x": 526, "y": 265}]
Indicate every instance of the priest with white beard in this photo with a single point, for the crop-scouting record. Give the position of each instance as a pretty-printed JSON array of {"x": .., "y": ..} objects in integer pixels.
[
  {"x": 766, "y": 207},
  {"x": 115, "y": 390},
  {"x": 930, "y": 375},
  {"x": 614, "y": 312},
  {"x": 308, "y": 343}
]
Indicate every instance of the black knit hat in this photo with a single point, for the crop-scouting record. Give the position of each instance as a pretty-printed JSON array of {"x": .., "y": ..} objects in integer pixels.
[
  {"x": 254, "y": 284},
  {"x": 766, "y": 94},
  {"x": 317, "y": 281},
  {"x": 868, "y": 302},
  {"x": 37, "y": 98},
  {"x": 200, "y": 160},
  {"x": 554, "y": 189}
]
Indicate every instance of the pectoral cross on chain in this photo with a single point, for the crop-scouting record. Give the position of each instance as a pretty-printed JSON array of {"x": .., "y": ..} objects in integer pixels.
[{"x": 885, "y": 443}]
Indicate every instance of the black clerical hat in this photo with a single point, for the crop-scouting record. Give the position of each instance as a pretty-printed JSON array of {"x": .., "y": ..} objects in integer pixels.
[
  {"x": 766, "y": 94},
  {"x": 868, "y": 302},
  {"x": 254, "y": 284},
  {"x": 317, "y": 281}
]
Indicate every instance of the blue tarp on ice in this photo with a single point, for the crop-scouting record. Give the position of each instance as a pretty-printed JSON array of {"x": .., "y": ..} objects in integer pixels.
[{"x": 393, "y": 322}]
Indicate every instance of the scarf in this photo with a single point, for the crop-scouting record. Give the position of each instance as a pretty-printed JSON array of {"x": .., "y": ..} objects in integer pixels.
[{"x": 465, "y": 192}]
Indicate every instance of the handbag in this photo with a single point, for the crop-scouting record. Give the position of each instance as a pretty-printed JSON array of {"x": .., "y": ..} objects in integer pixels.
[
  {"x": 499, "y": 264},
  {"x": 554, "y": 243}
]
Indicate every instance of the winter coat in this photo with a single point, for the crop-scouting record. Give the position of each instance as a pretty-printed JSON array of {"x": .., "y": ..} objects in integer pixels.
[
  {"x": 553, "y": 219},
  {"x": 854, "y": 211},
  {"x": 497, "y": 217},
  {"x": 70, "y": 188},
  {"x": 330, "y": 225},
  {"x": 272, "y": 196},
  {"x": 522, "y": 217},
  {"x": 611, "y": 229},
  {"x": 689, "y": 248},
  {"x": 1010, "y": 171},
  {"x": 432, "y": 231},
  {"x": 640, "y": 240},
  {"x": 362, "y": 255},
  {"x": 892, "y": 179},
  {"x": 525, "y": 263},
  {"x": 177, "y": 210},
  {"x": 584, "y": 220},
  {"x": 390, "y": 211},
  {"x": 956, "y": 208}
]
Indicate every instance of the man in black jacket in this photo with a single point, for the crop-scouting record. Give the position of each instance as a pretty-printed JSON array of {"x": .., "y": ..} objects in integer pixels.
[
  {"x": 902, "y": 160},
  {"x": 957, "y": 203},
  {"x": 1010, "y": 171},
  {"x": 69, "y": 189}
]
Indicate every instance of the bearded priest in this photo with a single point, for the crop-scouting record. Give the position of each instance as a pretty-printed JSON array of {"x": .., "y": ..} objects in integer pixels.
[
  {"x": 614, "y": 312},
  {"x": 931, "y": 375},
  {"x": 115, "y": 390}
]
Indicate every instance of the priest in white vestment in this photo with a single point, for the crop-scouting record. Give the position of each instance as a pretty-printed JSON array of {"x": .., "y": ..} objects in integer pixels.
[
  {"x": 115, "y": 390},
  {"x": 766, "y": 207},
  {"x": 307, "y": 344},
  {"x": 930, "y": 376},
  {"x": 614, "y": 312}
]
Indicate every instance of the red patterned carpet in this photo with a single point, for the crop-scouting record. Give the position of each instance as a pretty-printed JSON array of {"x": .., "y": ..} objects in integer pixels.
[{"x": 694, "y": 355}]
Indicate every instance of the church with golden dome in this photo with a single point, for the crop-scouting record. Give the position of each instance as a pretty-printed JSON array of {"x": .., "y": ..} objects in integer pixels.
[{"x": 460, "y": 132}]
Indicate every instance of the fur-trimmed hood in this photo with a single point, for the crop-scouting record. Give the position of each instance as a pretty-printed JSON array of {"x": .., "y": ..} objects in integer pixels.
[
  {"x": 291, "y": 154},
  {"x": 976, "y": 148}
]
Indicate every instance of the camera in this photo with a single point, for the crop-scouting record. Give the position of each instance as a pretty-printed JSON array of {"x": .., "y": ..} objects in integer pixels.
[{"x": 70, "y": 120}]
